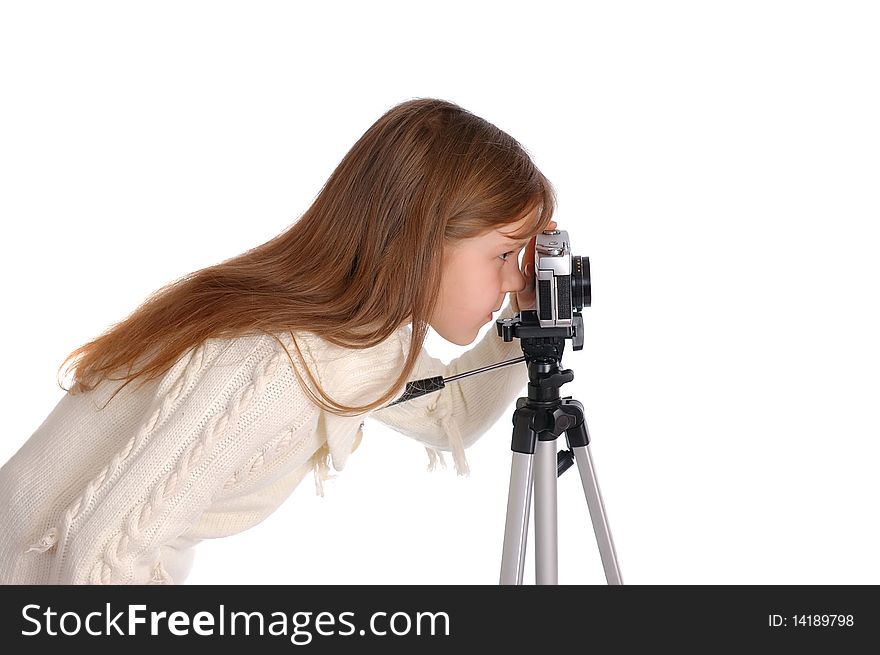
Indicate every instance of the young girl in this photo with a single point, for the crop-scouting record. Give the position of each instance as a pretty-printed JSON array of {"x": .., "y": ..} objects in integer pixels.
[{"x": 253, "y": 372}]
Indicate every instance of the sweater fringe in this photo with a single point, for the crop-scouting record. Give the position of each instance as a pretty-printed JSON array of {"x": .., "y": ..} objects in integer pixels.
[
  {"x": 321, "y": 468},
  {"x": 455, "y": 445},
  {"x": 160, "y": 575}
]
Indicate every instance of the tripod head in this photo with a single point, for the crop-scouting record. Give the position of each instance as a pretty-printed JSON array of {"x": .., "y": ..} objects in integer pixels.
[
  {"x": 543, "y": 348},
  {"x": 541, "y": 342}
]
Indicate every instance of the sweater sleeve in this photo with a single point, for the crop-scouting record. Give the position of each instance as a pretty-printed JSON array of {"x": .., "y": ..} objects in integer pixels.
[
  {"x": 219, "y": 407},
  {"x": 453, "y": 418}
]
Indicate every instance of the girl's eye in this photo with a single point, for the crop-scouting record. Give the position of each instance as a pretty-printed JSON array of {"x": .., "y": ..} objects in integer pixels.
[{"x": 504, "y": 256}]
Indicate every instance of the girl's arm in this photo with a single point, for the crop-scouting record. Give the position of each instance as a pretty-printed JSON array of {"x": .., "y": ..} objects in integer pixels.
[{"x": 453, "y": 418}]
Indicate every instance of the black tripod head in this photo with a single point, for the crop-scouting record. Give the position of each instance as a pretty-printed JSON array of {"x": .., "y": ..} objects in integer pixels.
[
  {"x": 541, "y": 342},
  {"x": 543, "y": 348}
]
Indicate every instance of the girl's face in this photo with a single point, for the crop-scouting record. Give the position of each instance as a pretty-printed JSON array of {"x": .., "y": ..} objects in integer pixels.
[{"x": 477, "y": 273}]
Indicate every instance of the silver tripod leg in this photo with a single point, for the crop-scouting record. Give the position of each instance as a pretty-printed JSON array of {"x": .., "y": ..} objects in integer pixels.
[
  {"x": 519, "y": 502},
  {"x": 597, "y": 513},
  {"x": 546, "y": 532},
  {"x": 523, "y": 477},
  {"x": 544, "y": 477}
]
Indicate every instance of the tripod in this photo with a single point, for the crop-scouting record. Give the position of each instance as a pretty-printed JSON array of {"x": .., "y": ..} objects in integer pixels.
[{"x": 539, "y": 419}]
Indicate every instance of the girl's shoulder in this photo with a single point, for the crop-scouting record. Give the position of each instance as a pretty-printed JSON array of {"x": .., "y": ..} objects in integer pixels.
[
  {"x": 352, "y": 374},
  {"x": 326, "y": 350}
]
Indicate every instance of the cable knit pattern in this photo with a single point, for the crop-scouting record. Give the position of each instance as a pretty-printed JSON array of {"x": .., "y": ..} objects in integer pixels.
[
  {"x": 122, "y": 543},
  {"x": 267, "y": 456},
  {"x": 121, "y": 494},
  {"x": 193, "y": 363}
]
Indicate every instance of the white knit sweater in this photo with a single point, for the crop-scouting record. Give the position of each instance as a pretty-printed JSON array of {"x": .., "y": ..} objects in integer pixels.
[{"x": 120, "y": 495}]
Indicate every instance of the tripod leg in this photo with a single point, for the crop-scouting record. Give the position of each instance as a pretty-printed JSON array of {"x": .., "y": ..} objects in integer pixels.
[
  {"x": 546, "y": 532},
  {"x": 597, "y": 513},
  {"x": 519, "y": 500}
]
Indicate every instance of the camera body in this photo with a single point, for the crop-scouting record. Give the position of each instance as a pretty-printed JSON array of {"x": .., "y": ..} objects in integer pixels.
[{"x": 562, "y": 280}]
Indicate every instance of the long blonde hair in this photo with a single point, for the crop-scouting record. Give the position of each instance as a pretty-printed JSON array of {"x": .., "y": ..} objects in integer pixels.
[{"x": 426, "y": 174}]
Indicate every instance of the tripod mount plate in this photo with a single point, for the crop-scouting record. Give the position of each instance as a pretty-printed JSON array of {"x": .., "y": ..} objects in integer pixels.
[{"x": 541, "y": 343}]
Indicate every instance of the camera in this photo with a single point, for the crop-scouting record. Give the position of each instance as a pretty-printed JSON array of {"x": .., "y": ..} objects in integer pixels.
[{"x": 562, "y": 280}]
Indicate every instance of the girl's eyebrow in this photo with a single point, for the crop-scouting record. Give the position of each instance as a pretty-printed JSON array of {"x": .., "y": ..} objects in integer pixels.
[{"x": 518, "y": 242}]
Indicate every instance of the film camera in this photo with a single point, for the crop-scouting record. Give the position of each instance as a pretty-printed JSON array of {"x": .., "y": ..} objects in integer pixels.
[
  {"x": 562, "y": 290},
  {"x": 562, "y": 280}
]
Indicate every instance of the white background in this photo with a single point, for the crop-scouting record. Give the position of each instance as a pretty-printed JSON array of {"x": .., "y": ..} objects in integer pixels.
[{"x": 717, "y": 162}]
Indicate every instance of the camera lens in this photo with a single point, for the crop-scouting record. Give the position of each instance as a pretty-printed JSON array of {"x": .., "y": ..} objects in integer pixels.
[{"x": 580, "y": 282}]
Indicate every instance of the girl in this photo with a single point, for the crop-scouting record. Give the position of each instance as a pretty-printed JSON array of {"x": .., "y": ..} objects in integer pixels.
[{"x": 255, "y": 371}]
